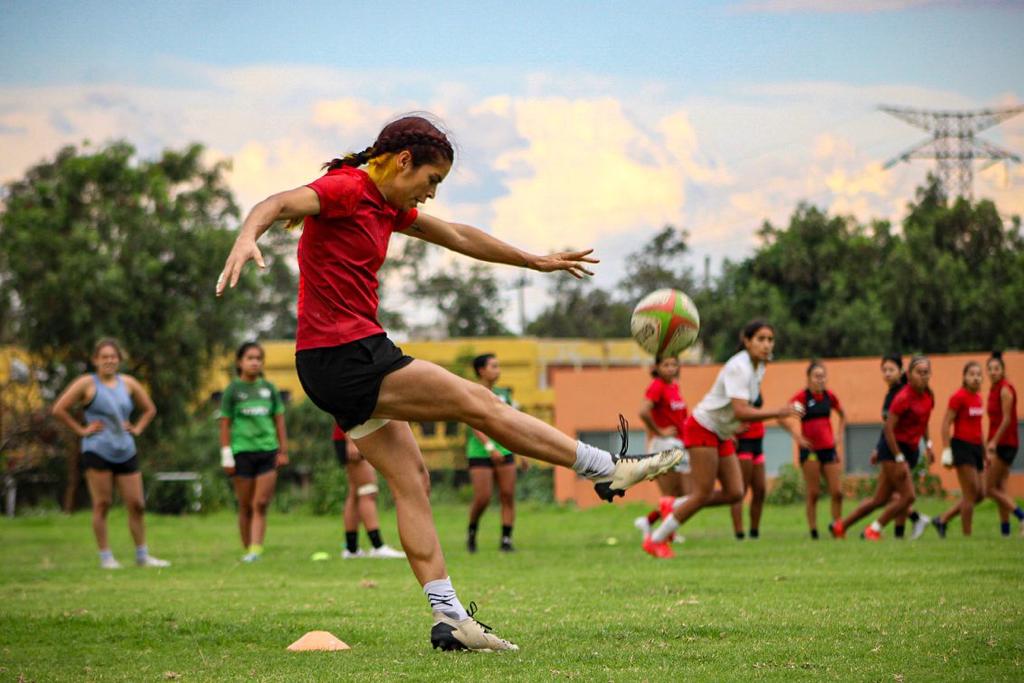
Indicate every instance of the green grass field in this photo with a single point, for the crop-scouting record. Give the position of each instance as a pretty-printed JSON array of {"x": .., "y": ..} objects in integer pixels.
[{"x": 781, "y": 608}]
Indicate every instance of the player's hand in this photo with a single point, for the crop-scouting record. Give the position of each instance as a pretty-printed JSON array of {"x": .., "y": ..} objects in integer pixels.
[
  {"x": 130, "y": 428},
  {"x": 804, "y": 442},
  {"x": 570, "y": 261},
  {"x": 873, "y": 459},
  {"x": 669, "y": 431},
  {"x": 990, "y": 449},
  {"x": 230, "y": 471},
  {"x": 282, "y": 458},
  {"x": 789, "y": 410},
  {"x": 92, "y": 428},
  {"x": 243, "y": 252},
  {"x": 930, "y": 454}
]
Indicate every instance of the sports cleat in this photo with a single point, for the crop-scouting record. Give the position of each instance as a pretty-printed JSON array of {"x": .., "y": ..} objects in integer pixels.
[
  {"x": 871, "y": 535},
  {"x": 347, "y": 554},
  {"x": 632, "y": 469},
  {"x": 249, "y": 558},
  {"x": 661, "y": 551},
  {"x": 642, "y": 524},
  {"x": 837, "y": 529},
  {"x": 110, "y": 564},
  {"x": 940, "y": 528},
  {"x": 150, "y": 561},
  {"x": 466, "y": 634},
  {"x": 920, "y": 525},
  {"x": 386, "y": 552}
]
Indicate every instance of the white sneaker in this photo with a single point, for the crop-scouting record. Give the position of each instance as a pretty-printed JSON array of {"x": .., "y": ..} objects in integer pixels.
[
  {"x": 151, "y": 561},
  {"x": 467, "y": 634},
  {"x": 632, "y": 469},
  {"x": 346, "y": 555},
  {"x": 678, "y": 538},
  {"x": 249, "y": 558},
  {"x": 642, "y": 524},
  {"x": 110, "y": 564},
  {"x": 920, "y": 525},
  {"x": 386, "y": 552}
]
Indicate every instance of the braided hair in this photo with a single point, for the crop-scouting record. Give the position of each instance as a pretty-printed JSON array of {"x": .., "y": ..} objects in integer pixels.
[{"x": 424, "y": 140}]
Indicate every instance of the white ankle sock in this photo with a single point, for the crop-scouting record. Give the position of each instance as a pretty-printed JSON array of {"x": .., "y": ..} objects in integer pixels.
[
  {"x": 679, "y": 502},
  {"x": 441, "y": 596},
  {"x": 667, "y": 528},
  {"x": 592, "y": 462},
  {"x": 875, "y": 526}
]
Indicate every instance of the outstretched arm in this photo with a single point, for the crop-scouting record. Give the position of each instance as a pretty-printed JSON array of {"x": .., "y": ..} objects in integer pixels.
[
  {"x": 475, "y": 243},
  {"x": 297, "y": 203}
]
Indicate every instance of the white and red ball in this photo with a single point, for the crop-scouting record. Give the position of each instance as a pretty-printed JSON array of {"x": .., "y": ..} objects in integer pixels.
[{"x": 665, "y": 322}]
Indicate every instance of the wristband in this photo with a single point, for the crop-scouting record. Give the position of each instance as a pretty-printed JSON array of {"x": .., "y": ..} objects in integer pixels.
[{"x": 227, "y": 457}]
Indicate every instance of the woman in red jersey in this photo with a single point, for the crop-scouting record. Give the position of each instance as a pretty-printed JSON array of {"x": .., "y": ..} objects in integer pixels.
[
  {"x": 664, "y": 413},
  {"x": 1003, "y": 441},
  {"x": 965, "y": 450},
  {"x": 819, "y": 453},
  {"x": 349, "y": 368},
  {"x": 906, "y": 425},
  {"x": 750, "y": 453}
]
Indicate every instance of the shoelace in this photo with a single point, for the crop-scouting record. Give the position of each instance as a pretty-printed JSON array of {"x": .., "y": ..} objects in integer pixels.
[
  {"x": 623, "y": 435},
  {"x": 471, "y": 611}
]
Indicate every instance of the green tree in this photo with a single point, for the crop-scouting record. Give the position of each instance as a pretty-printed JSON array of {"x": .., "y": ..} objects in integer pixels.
[
  {"x": 579, "y": 309},
  {"x": 101, "y": 243},
  {"x": 659, "y": 263},
  {"x": 468, "y": 300}
]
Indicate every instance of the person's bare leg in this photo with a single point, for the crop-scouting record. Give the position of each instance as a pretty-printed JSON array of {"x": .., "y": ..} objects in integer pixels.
[
  {"x": 995, "y": 488},
  {"x": 101, "y": 493},
  {"x": 747, "y": 469},
  {"x": 812, "y": 482},
  {"x": 833, "y": 477},
  {"x": 883, "y": 492},
  {"x": 243, "y": 491},
  {"x": 703, "y": 473},
  {"x": 263, "y": 492},
  {"x": 130, "y": 488},
  {"x": 482, "y": 479},
  {"x": 671, "y": 484},
  {"x": 758, "y": 489},
  {"x": 393, "y": 452},
  {"x": 361, "y": 474},
  {"x": 731, "y": 478},
  {"x": 969, "y": 486},
  {"x": 899, "y": 474},
  {"x": 505, "y": 475}
]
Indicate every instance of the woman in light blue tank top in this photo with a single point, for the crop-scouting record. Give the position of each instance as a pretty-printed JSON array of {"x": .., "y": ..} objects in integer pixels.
[{"x": 108, "y": 445}]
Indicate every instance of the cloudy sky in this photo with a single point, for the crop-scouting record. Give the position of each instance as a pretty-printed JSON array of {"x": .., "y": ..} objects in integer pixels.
[{"x": 578, "y": 123}]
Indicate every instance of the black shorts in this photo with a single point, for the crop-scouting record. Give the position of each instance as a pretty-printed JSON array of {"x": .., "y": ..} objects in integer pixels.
[
  {"x": 251, "y": 464},
  {"x": 487, "y": 462},
  {"x": 966, "y": 453},
  {"x": 826, "y": 456},
  {"x": 910, "y": 452},
  {"x": 1006, "y": 453},
  {"x": 345, "y": 380},
  {"x": 94, "y": 461},
  {"x": 754, "y": 447}
]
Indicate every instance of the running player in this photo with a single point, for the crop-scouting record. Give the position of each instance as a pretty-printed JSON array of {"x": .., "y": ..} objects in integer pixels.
[
  {"x": 664, "y": 413},
  {"x": 898, "y": 454},
  {"x": 750, "y": 454},
  {"x": 966, "y": 448},
  {"x": 490, "y": 463},
  {"x": 108, "y": 445},
  {"x": 253, "y": 444},
  {"x": 360, "y": 502},
  {"x": 1003, "y": 441},
  {"x": 819, "y": 455},
  {"x": 350, "y": 369},
  {"x": 709, "y": 431}
]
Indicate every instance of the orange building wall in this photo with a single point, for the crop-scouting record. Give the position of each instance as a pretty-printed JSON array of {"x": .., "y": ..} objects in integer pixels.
[{"x": 591, "y": 399}]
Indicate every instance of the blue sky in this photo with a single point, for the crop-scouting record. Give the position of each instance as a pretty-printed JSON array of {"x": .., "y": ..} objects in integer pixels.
[{"x": 584, "y": 123}]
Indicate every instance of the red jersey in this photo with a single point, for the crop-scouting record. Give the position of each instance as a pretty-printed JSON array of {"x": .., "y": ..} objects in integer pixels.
[
  {"x": 338, "y": 435},
  {"x": 995, "y": 414},
  {"x": 912, "y": 410},
  {"x": 754, "y": 430},
  {"x": 340, "y": 252},
  {"x": 967, "y": 408},
  {"x": 816, "y": 422},
  {"x": 669, "y": 407}
]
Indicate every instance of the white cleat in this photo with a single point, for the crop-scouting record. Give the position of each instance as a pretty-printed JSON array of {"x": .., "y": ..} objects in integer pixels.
[
  {"x": 466, "y": 634},
  {"x": 920, "y": 525},
  {"x": 642, "y": 525},
  {"x": 110, "y": 564},
  {"x": 347, "y": 555},
  {"x": 150, "y": 561},
  {"x": 633, "y": 469},
  {"x": 386, "y": 552}
]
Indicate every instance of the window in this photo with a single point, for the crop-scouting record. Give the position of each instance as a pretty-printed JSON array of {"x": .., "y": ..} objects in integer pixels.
[
  {"x": 610, "y": 441},
  {"x": 451, "y": 428},
  {"x": 860, "y": 442},
  {"x": 428, "y": 428},
  {"x": 778, "y": 450}
]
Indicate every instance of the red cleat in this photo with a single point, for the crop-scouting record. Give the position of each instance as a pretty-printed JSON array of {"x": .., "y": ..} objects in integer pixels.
[
  {"x": 872, "y": 535},
  {"x": 662, "y": 551},
  {"x": 837, "y": 529}
]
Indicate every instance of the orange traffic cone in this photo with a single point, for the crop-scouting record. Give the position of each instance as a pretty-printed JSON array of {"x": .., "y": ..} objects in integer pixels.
[{"x": 318, "y": 640}]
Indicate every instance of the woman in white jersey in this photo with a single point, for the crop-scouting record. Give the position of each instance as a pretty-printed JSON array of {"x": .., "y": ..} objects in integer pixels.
[{"x": 708, "y": 434}]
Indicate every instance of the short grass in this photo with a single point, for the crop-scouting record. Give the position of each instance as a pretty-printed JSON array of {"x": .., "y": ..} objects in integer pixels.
[{"x": 781, "y": 608}]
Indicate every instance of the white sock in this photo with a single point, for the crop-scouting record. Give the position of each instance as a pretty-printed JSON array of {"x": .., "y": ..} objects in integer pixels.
[
  {"x": 441, "y": 596},
  {"x": 141, "y": 553},
  {"x": 592, "y": 462},
  {"x": 679, "y": 502},
  {"x": 875, "y": 526},
  {"x": 667, "y": 528}
]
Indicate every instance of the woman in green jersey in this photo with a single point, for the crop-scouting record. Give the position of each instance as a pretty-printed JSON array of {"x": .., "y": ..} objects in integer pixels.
[{"x": 253, "y": 444}]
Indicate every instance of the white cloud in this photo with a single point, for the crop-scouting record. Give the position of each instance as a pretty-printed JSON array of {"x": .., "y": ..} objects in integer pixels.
[{"x": 855, "y": 6}]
